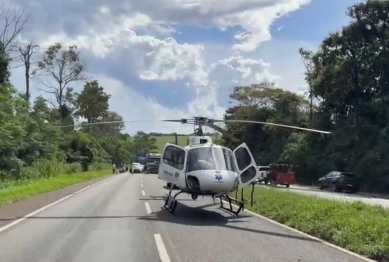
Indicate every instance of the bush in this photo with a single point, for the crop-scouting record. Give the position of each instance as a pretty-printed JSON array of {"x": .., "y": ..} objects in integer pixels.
[
  {"x": 355, "y": 226},
  {"x": 44, "y": 168}
]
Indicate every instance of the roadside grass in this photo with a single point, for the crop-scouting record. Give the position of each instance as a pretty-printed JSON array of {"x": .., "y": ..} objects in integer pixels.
[
  {"x": 355, "y": 226},
  {"x": 16, "y": 191}
]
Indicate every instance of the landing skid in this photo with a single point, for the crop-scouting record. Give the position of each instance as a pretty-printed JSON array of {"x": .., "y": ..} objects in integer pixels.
[
  {"x": 171, "y": 201},
  {"x": 239, "y": 203}
]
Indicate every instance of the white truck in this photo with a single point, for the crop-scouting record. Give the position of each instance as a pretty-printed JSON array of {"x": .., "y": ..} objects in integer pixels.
[{"x": 263, "y": 172}]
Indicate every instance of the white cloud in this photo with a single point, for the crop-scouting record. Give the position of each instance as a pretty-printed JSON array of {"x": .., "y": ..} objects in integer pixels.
[{"x": 135, "y": 38}]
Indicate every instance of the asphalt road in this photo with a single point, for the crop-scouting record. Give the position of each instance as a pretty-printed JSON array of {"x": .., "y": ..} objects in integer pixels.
[
  {"x": 338, "y": 196},
  {"x": 121, "y": 219}
]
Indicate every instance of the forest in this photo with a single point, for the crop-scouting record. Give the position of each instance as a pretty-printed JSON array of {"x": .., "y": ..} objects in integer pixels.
[
  {"x": 348, "y": 94},
  {"x": 36, "y": 137}
]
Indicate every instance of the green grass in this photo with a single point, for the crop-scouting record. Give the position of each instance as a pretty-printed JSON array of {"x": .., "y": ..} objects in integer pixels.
[
  {"x": 356, "y": 226},
  {"x": 22, "y": 190},
  {"x": 162, "y": 140}
]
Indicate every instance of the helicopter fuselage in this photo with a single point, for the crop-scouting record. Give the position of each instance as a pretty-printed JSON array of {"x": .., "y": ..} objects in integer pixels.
[{"x": 207, "y": 169}]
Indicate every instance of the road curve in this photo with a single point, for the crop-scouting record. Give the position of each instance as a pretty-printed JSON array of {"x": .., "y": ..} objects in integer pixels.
[{"x": 121, "y": 219}]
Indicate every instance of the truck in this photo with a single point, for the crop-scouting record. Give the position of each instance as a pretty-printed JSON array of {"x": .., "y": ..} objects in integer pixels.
[{"x": 152, "y": 163}]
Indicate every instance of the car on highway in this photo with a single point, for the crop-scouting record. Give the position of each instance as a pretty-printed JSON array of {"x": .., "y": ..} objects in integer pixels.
[
  {"x": 263, "y": 172},
  {"x": 339, "y": 181},
  {"x": 136, "y": 168}
]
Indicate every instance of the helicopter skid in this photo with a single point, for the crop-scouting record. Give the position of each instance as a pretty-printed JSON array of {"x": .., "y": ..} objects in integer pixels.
[
  {"x": 230, "y": 209},
  {"x": 171, "y": 201}
]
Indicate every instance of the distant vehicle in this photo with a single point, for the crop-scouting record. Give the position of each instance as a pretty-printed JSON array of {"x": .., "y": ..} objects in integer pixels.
[
  {"x": 140, "y": 158},
  {"x": 122, "y": 169},
  {"x": 339, "y": 181},
  {"x": 136, "y": 168},
  {"x": 263, "y": 174},
  {"x": 281, "y": 174},
  {"x": 152, "y": 163}
]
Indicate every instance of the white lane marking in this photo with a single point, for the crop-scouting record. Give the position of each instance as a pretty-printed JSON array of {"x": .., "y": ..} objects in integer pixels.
[
  {"x": 33, "y": 213},
  {"x": 79, "y": 191},
  {"x": 306, "y": 235},
  {"x": 148, "y": 208},
  {"x": 47, "y": 206},
  {"x": 163, "y": 255},
  {"x": 141, "y": 185},
  {"x": 143, "y": 193}
]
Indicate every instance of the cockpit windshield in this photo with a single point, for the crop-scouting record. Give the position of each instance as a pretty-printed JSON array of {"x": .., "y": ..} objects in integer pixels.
[
  {"x": 224, "y": 158},
  {"x": 202, "y": 159}
]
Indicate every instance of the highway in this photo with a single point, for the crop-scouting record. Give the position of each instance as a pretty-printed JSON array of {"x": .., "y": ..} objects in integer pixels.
[
  {"x": 122, "y": 220},
  {"x": 312, "y": 191}
]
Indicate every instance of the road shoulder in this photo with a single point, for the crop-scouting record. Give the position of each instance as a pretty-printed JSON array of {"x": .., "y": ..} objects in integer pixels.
[{"x": 11, "y": 212}]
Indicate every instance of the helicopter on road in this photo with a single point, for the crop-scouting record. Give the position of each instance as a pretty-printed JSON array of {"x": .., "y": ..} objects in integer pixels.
[
  {"x": 206, "y": 169},
  {"x": 203, "y": 168}
]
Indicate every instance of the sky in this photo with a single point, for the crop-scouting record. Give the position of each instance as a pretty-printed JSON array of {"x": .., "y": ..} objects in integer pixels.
[{"x": 171, "y": 59}]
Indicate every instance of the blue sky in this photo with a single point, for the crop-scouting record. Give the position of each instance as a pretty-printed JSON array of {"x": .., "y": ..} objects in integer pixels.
[
  {"x": 165, "y": 59},
  {"x": 310, "y": 24}
]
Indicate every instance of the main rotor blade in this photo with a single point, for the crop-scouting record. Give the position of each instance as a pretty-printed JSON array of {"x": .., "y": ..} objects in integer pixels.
[
  {"x": 224, "y": 132},
  {"x": 273, "y": 124},
  {"x": 173, "y": 120},
  {"x": 109, "y": 122}
]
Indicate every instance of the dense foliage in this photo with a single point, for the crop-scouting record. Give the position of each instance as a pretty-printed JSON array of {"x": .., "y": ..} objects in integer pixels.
[
  {"x": 35, "y": 137},
  {"x": 348, "y": 76}
]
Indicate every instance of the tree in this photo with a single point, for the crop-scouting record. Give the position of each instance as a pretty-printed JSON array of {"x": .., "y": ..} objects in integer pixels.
[
  {"x": 92, "y": 102},
  {"x": 4, "y": 62},
  {"x": 57, "y": 70},
  {"x": 111, "y": 129},
  {"x": 25, "y": 54},
  {"x": 14, "y": 22}
]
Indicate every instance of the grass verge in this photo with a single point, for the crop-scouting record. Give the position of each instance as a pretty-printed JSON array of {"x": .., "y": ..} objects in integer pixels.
[
  {"x": 358, "y": 227},
  {"x": 21, "y": 190}
]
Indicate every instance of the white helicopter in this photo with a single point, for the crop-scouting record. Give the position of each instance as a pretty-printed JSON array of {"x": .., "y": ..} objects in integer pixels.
[{"x": 206, "y": 169}]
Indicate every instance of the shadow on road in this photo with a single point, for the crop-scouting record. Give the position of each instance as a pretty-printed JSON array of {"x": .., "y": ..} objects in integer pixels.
[{"x": 199, "y": 216}]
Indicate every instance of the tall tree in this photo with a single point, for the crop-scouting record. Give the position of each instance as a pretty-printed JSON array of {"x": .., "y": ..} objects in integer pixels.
[
  {"x": 111, "y": 129},
  {"x": 92, "y": 102},
  {"x": 4, "y": 62},
  {"x": 25, "y": 54},
  {"x": 13, "y": 21},
  {"x": 59, "y": 68}
]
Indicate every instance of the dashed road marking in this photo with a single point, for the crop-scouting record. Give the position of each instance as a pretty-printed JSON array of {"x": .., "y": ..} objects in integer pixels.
[
  {"x": 148, "y": 208},
  {"x": 143, "y": 193},
  {"x": 163, "y": 255}
]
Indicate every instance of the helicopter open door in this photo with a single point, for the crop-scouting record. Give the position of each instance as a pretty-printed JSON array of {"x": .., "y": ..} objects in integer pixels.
[
  {"x": 172, "y": 164},
  {"x": 245, "y": 163}
]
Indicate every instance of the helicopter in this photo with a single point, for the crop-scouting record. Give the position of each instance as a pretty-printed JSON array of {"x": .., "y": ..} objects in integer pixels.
[
  {"x": 203, "y": 168},
  {"x": 206, "y": 169}
]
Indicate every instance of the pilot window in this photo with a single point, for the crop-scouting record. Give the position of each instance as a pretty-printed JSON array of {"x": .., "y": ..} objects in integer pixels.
[
  {"x": 174, "y": 157},
  {"x": 200, "y": 159},
  {"x": 223, "y": 159}
]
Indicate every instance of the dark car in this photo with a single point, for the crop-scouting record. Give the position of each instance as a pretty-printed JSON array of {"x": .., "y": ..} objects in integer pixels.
[{"x": 339, "y": 181}]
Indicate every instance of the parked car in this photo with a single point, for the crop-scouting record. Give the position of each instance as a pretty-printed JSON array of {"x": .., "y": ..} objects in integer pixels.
[
  {"x": 136, "y": 168},
  {"x": 339, "y": 181},
  {"x": 263, "y": 172}
]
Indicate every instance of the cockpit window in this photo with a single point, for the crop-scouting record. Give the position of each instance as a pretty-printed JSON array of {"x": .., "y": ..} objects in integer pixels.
[
  {"x": 200, "y": 159},
  {"x": 224, "y": 158}
]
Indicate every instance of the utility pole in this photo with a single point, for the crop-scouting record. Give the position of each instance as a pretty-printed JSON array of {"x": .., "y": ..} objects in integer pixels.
[{"x": 175, "y": 138}]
